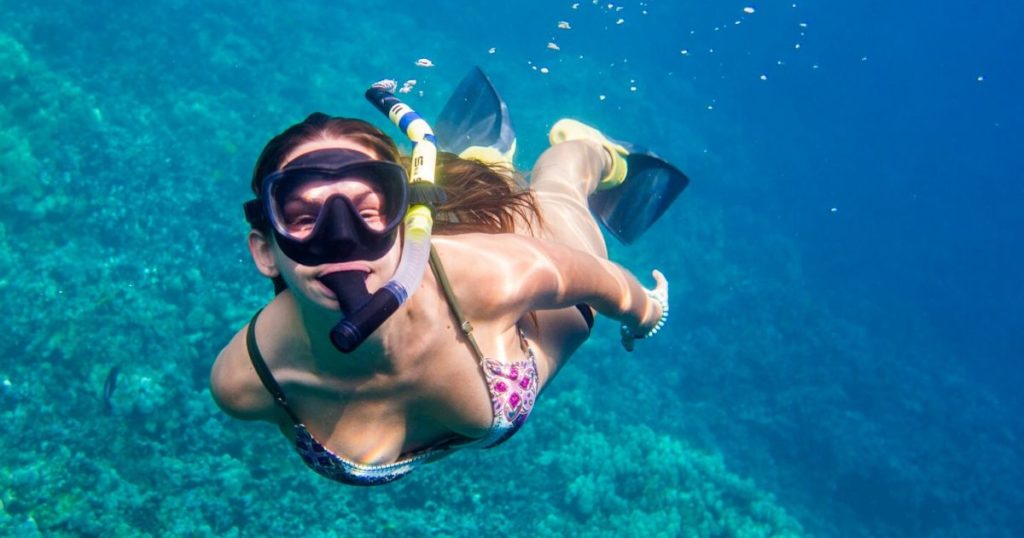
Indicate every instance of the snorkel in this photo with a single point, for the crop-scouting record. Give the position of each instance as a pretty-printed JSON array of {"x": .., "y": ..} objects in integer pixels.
[{"x": 363, "y": 313}]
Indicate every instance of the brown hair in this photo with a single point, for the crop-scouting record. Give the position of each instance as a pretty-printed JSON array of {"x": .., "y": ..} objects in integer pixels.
[
  {"x": 489, "y": 198},
  {"x": 480, "y": 197},
  {"x": 319, "y": 126}
]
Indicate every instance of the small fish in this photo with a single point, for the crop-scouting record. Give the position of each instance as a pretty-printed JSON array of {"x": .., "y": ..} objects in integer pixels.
[{"x": 109, "y": 386}]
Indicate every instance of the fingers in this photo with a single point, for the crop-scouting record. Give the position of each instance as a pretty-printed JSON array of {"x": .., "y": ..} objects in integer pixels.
[
  {"x": 628, "y": 339},
  {"x": 660, "y": 297}
]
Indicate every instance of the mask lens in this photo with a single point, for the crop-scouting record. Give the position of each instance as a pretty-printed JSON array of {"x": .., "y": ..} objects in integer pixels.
[
  {"x": 300, "y": 214},
  {"x": 300, "y": 203},
  {"x": 298, "y": 200}
]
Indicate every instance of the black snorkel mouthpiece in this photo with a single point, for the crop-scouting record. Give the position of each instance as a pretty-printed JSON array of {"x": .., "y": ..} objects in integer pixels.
[
  {"x": 349, "y": 287},
  {"x": 355, "y": 327},
  {"x": 364, "y": 312}
]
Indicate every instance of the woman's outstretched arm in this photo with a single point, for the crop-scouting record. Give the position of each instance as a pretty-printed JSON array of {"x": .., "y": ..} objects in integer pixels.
[{"x": 522, "y": 274}]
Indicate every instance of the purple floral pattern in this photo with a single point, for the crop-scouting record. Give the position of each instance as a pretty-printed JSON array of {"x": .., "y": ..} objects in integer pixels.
[{"x": 513, "y": 388}]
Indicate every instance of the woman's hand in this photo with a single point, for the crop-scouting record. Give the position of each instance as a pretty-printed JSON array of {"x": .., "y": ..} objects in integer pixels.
[{"x": 659, "y": 300}]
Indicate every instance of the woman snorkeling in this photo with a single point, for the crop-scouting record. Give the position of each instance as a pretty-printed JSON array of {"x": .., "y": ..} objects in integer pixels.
[{"x": 456, "y": 361}]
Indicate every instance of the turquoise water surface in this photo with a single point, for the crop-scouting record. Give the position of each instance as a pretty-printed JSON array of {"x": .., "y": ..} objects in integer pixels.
[{"x": 844, "y": 352}]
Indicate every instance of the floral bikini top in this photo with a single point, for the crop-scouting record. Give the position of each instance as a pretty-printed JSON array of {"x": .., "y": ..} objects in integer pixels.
[{"x": 512, "y": 386}]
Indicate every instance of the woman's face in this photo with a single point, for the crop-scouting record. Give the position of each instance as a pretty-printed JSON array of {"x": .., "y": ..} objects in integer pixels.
[
  {"x": 367, "y": 200},
  {"x": 301, "y": 207}
]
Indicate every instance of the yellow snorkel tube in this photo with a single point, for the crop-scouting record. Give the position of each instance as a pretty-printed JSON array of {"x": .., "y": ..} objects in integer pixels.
[
  {"x": 419, "y": 218},
  {"x": 354, "y": 328}
]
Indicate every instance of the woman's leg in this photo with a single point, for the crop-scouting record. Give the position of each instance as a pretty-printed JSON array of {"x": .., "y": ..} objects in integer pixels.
[{"x": 562, "y": 179}]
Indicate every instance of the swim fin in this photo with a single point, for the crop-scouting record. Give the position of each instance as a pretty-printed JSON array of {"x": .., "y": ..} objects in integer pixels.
[
  {"x": 475, "y": 122},
  {"x": 637, "y": 188},
  {"x": 650, "y": 187}
]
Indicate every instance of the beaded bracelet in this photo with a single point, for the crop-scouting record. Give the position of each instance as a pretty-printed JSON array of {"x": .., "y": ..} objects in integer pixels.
[{"x": 660, "y": 297}]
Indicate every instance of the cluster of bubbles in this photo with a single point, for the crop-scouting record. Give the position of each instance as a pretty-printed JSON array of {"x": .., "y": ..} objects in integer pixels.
[
  {"x": 694, "y": 49},
  {"x": 621, "y": 14}
]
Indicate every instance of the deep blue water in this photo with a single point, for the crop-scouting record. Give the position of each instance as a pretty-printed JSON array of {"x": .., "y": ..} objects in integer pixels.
[
  {"x": 920, "y": 158},
  {"x": 846, "y": 341}
]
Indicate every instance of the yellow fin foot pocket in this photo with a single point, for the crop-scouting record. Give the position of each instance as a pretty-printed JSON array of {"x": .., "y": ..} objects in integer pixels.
[
  {"x": 490, "y": 155},
  {"x": 568, "y": 129}
]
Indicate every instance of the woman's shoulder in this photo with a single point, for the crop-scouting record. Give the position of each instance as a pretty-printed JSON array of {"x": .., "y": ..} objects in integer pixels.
[
  {"x": 483, "y": 255},
  {"x": 502, "y": 256},
  {"x": 234, "y": 383},
  {"x": 491, "y": 274},
  {"x": 507, "y": 245}
]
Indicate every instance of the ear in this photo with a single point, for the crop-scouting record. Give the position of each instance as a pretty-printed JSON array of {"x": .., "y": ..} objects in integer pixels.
[{"x": 262, "y": 252}]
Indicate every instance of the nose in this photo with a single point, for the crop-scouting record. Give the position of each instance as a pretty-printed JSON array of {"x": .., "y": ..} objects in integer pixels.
[{"x": 340, "y": 233}]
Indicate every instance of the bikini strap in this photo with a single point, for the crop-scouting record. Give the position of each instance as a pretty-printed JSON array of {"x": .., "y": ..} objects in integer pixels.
[
  {"x": 263, "y": 371},
  {"x": 464, "y": 324}
]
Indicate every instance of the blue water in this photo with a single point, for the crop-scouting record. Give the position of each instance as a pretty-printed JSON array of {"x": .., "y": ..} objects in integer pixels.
[{"x": 844, "y": 353}]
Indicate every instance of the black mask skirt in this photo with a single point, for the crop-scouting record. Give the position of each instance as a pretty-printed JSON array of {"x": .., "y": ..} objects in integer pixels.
[{"x": 319, "y": 230}]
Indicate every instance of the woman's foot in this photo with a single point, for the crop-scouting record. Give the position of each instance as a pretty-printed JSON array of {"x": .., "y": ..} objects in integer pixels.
[{"x": 566, "y": 129}]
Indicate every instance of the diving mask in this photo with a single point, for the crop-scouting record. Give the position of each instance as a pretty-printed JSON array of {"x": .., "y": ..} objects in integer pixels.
[{"x": 334, "y": 205}]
